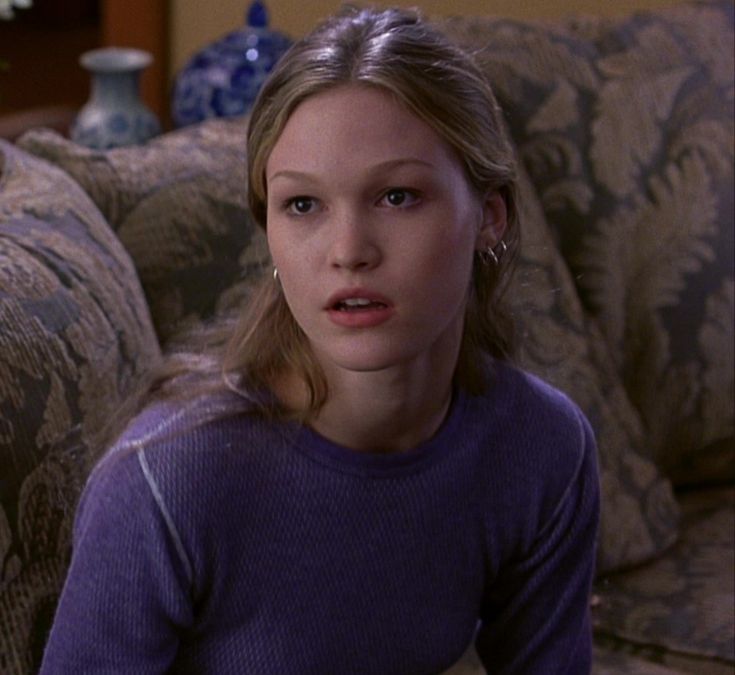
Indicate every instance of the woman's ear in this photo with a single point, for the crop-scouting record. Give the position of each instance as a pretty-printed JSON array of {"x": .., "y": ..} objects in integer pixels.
[{"x": 494, "y": 221}]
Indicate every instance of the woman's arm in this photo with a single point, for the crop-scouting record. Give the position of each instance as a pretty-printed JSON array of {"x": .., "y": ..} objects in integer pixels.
[
  {"x": 126, "y": 596},
  {"x": 536, "y": 617}
]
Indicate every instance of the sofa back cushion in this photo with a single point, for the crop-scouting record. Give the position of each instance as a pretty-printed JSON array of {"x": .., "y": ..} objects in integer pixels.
[
  {"x": 75, "y": 337},
  {"x": 179, "y": 205},
  {"x": 626, "y": 127},
  {"x": 562, "y": 345}
]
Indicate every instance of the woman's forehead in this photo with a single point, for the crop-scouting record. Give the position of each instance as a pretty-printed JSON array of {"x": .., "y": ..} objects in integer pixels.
[{"x": 351, "y": 123}]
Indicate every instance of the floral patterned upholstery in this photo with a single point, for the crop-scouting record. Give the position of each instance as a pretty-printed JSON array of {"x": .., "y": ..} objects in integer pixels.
[
  {"x": 179, "y": 206},
  {"x": 75, "y": 334},
  {"x": 626, "y": 127},
  {"x": 560, "y": 344},
  {"x": 679, "y": 609},
  {"x": 607, "y": 662}
]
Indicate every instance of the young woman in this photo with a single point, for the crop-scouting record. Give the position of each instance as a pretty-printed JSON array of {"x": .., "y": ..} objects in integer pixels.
[{"x": 358, "y": 482}]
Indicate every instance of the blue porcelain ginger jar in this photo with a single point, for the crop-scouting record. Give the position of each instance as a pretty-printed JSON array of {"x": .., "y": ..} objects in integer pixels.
[{"x": 223, "y": 79}]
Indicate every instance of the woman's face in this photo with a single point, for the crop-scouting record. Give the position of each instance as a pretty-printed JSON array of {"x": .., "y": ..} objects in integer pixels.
[{"x": 372, "y": 226}]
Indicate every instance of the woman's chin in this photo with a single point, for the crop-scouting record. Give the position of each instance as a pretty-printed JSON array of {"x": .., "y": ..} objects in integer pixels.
[{"x": 364, "y": 358}]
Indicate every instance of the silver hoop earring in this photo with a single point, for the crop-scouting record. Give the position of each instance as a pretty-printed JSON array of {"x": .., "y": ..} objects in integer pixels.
[
  {"x": 275, "y": 274},
  {"x": 489, "y": 255}
]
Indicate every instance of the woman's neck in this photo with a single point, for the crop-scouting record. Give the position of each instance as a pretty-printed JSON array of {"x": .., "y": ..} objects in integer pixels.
[
  {"x": 379, "y": 412},
  {"x": 382, "y": 412},
  {"x": 392, "y": 409}
]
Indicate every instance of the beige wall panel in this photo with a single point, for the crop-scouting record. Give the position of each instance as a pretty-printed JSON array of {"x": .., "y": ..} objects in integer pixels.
[{"x": 196, "y": 23}]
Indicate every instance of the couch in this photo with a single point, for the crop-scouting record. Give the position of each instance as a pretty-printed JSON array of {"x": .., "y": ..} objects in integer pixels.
[{"x": 623, "y": 297}]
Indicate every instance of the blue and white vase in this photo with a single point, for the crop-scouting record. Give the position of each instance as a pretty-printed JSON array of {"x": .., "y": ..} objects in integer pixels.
[
  {"x": 224, "y": 78},
  {"x": 115, "y": 115}
]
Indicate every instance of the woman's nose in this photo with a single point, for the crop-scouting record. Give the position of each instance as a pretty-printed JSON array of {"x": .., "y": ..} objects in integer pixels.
[{"x": 354, "y": 245}]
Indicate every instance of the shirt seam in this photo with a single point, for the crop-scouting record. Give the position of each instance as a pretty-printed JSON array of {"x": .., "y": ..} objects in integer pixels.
[
  {"x": 151, "y": 434},
  {"x": 165, "y": 513}
]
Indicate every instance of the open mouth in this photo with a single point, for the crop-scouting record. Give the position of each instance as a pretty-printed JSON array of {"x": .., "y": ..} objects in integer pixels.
[
  {"x": 358, "y": 305},
  {"x": 359, "y": 309}
]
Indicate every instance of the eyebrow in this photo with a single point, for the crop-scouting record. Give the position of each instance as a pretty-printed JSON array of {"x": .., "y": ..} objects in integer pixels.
[{"x": 377, "y": 168}]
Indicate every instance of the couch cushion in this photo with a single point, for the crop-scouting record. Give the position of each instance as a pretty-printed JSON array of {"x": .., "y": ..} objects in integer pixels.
[
  {"x": 604, "y": 662},
  {"x": 561, "y": 345},
  {"x": 179, "y": 205},
  {"x": 613, "y": 662},
  {"x": 75, "y": 336},
  {"x": 626, "y": 127},
  {"x": 679, "y": 608}
]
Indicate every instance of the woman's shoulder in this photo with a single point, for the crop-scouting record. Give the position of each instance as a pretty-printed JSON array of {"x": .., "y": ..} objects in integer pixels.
[
  {"x": 531, "y": 427},
  {"x": 188, "y": 464},
  {"x": 179, "y": 423},
  {"x": 525, "y": 398},
  {"x": 183, "y": 446},
  {"x": 538, "y": 446}
]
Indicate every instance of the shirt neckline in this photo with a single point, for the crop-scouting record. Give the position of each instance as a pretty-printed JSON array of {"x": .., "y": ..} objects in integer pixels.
[{"x": 338, "y": 457}]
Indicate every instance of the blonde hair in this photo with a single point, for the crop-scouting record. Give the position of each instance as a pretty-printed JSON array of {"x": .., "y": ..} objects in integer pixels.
[{"x": 397, "y": 51}]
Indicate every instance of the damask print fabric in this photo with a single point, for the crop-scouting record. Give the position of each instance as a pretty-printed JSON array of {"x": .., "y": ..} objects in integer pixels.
[
  {"x": 179, "y": 206},
  {"x": 681, "y": 603},
  {"x": 75, "y": 335},
  {"x": 560, "y": 344},
  {"x": 626, "y": 127}
]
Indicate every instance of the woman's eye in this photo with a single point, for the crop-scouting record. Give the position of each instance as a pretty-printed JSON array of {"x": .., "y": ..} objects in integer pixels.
[
  {"x": 300, "y": 205},
  {"x": 398, "y": 197}
]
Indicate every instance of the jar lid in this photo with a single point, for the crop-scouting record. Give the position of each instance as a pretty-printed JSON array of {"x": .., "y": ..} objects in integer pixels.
[{"x": 223, "y": 79}]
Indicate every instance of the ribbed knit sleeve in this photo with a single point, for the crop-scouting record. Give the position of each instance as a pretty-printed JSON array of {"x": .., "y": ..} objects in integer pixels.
[
  {"x": 125, "y": 598},
  {"x": 535, "y": 614}
]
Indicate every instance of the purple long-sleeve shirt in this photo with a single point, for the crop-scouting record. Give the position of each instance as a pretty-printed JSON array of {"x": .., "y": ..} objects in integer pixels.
[{"x": 249, "y": 546}]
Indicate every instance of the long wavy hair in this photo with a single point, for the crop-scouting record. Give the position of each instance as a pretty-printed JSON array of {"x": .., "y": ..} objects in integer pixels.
[{"x": 397, "y": 51}]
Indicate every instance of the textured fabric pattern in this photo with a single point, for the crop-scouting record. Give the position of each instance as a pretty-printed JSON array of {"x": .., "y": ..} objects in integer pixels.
[
  {"x": 179, "y": 205},
  {"x": 626, "y": 127},
  {"x": 74, "y": 335},
  {"x": 261, "y": 547},
  {"x": 610, "y": 662},
  {"x": 560, "y": 345},
  {"x": 682, "y": 603},
  {"x": 604, "y": 662}
]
